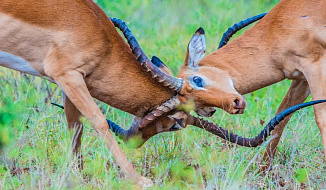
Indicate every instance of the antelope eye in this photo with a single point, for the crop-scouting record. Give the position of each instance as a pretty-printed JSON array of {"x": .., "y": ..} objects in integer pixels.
[{"x": 198, "y": 81}]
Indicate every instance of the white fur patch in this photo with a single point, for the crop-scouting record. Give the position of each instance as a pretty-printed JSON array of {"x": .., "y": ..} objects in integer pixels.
[
  {"x": 17, "y": 63},
  {"x": 197, "y": 49},
  {"x": 231, "y": 82}
]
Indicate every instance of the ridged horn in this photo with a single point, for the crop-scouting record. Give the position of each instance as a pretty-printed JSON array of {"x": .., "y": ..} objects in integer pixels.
[
  {"x": 167, "y": 80},
  {"x": 167, "y": 106},
  {"x": 150, "y": 117},
  {"x": 124, "y": 134},
  {"x": 248, "y": 142},
  {"x": 208, "y": 126},
  {"x": 236, "y": 27}
]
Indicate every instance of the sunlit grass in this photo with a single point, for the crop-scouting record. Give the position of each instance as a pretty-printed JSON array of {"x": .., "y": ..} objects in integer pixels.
[{"x": 38, "y": 155}]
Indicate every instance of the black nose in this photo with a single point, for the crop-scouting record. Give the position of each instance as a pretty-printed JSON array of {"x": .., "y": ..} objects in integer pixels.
[
  {"x": 237, "y": 103},
  {"x": 212, "y": 113}
]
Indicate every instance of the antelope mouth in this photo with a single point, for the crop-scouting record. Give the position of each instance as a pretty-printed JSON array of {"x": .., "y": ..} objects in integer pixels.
[
  {"x": 236, "y": 110},
  {"x": 239, "y": 111}
]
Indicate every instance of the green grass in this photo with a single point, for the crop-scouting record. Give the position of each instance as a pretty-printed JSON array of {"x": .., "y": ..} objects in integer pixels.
[{"x": 39, "y": 156}]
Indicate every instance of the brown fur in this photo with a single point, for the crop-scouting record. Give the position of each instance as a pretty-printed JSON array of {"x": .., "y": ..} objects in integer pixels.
[
  {"x": 102, "y": 65},
  {"x": 290, "y": 42},
  {"x": 75, "y": 45}
]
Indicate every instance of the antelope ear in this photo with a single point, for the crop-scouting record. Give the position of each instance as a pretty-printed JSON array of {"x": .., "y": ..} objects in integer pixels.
[
  {"x": 196, "y": 48},
  {"x": 158, "y": 63}
]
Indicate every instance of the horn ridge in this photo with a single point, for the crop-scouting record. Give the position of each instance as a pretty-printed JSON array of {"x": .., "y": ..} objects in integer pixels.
[
  {"x": 150, "y": 117},
  {"x": 167, "y": 106},
  {"x": 172, "y": 82}
]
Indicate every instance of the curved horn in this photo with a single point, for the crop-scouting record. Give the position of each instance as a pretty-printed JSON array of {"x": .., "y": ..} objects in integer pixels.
[
  {"x": 150, "y": 117},
  {"x": 123, "y": 133},
  {"x": 248, "y": 142},
  {"x": 208, "y": 126},
  {"x": 167, "y": 106},
  {"x": 167, "y": 80},
  {"x": 137, "y": 125},
  {"x": 238, "y": 26},
  {"x": 120, "y": 132}
]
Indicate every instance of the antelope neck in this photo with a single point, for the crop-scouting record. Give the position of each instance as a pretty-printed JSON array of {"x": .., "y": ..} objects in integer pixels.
[{"x": 247, "y": 66}]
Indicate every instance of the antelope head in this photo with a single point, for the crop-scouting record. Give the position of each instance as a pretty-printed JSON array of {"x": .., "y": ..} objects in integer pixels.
[
  {"x": 200, "y": 83},
  {"x": 157, "y": 69},
  {"x": 202, "y": 111}
]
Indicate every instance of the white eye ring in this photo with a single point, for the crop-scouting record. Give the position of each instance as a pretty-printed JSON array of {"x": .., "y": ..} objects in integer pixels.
[{"x": 197, "y": 82}]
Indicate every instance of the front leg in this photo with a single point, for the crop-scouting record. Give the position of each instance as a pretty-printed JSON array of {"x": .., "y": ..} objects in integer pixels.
[
  {"x": 73, "y": 84},
  {"x": 316, "y": 77},
  {"x": 297, "y": 93}
]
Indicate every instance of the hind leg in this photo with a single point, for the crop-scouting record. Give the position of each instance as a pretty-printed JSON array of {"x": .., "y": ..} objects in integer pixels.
[{"x": 76, "y": 127}]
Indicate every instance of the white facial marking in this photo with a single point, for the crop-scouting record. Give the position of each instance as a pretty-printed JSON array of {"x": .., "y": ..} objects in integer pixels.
[
  {"x": 17, "y": 63},
  {"x": 231, "y": 82}
]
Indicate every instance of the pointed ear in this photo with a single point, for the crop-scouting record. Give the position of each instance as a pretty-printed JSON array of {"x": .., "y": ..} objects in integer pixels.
[
  {"x": 196, "y": 49},
  {"x": 158, "y": 63}
]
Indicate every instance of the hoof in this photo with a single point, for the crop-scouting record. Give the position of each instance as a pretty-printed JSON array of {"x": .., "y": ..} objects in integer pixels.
[
  {"x": 139, "y": 180},
  {"x": 145, "y": 182},
  {"x": 263, "y": 168}
]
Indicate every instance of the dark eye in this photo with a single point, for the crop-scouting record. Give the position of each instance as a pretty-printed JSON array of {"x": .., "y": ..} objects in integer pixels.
[{"x": 198, "y": 81}]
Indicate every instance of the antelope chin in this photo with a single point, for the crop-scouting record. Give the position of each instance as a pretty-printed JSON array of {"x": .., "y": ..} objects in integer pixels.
[
  {"x": 206, "y": 112},
  {"x": 235, "y": 111},
  {"x": 239, "y": 111}
]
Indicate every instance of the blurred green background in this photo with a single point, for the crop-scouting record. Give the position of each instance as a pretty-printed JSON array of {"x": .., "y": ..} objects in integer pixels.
[{"x": 37, "y": 143}]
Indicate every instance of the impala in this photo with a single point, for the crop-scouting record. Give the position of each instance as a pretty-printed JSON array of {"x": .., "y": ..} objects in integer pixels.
[
  {"x": 288, "y": 43},
  {"x": 75, "y": 45}
]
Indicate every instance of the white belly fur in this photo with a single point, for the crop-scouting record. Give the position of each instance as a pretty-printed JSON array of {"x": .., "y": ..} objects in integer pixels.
[{"x": 17, "y": 63}]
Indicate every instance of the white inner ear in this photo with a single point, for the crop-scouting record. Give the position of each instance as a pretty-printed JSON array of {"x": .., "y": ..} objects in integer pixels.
[{"x": 197, "y": 49}]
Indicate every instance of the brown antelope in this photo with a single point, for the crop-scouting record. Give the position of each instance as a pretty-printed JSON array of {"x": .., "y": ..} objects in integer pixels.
[
  {"x": 288, "y": 43},
  {"x": 75, "y": 45}
]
